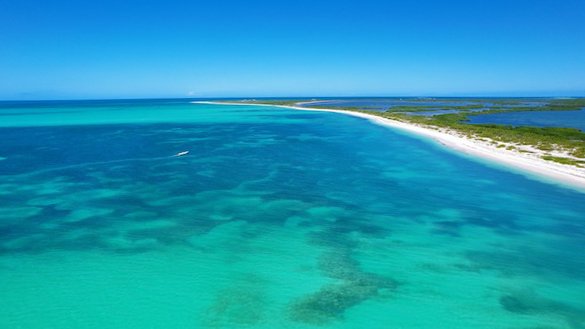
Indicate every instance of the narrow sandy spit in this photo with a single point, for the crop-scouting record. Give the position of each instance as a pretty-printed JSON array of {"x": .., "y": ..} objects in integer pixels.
[{"x": 527, "y": 163}]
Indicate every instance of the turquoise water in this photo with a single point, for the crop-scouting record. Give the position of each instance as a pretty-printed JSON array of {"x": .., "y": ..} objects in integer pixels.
[
  {"x": 568, "y": 119},
  {"x": 275, "y": 219}
]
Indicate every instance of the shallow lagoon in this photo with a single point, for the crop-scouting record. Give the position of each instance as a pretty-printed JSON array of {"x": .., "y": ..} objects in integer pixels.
[
  {"x": 275, "y": 219},
  {"x": 568, "y": 119}
]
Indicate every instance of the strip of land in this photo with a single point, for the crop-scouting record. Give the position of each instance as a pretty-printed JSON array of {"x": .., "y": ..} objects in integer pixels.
[{"x": 526, "y": 158}]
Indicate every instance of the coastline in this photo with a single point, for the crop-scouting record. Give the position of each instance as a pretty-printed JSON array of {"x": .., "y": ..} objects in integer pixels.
[{"x": 524, "y": 163}]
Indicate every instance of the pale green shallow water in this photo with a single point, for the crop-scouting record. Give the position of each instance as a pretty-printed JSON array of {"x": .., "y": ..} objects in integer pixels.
[{"x": 276, "y": 219}]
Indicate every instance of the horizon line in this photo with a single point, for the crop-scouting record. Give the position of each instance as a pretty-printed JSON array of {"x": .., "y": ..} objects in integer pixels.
[{"x": 270, "y": 97}]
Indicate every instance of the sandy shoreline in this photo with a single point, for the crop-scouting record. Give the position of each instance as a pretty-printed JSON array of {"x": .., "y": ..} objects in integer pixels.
[{"x": 523, "y": 162}]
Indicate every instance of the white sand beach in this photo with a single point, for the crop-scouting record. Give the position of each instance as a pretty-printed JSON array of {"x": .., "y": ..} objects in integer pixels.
[{"x": 529, "y": 163}]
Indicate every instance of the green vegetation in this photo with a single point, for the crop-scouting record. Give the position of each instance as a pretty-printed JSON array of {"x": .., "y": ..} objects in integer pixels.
[
  {"x": 566, "y": 161},
  {"x": 564, "y": 104},
  {"x": 544, "y": 138}
]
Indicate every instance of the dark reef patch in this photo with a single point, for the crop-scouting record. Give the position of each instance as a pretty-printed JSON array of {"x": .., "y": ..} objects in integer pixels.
[
  {"x": 354, "y": 286},
  {"x": 330, "y": 302},
  {"x": 529, "y": 303}
]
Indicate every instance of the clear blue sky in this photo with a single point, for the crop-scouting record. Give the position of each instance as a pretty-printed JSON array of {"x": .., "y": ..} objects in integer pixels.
[{"x": 57, "y": 49}]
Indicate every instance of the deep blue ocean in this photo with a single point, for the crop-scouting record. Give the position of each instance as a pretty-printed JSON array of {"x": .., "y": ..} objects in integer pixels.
[{"x": 276, "y": 218}]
